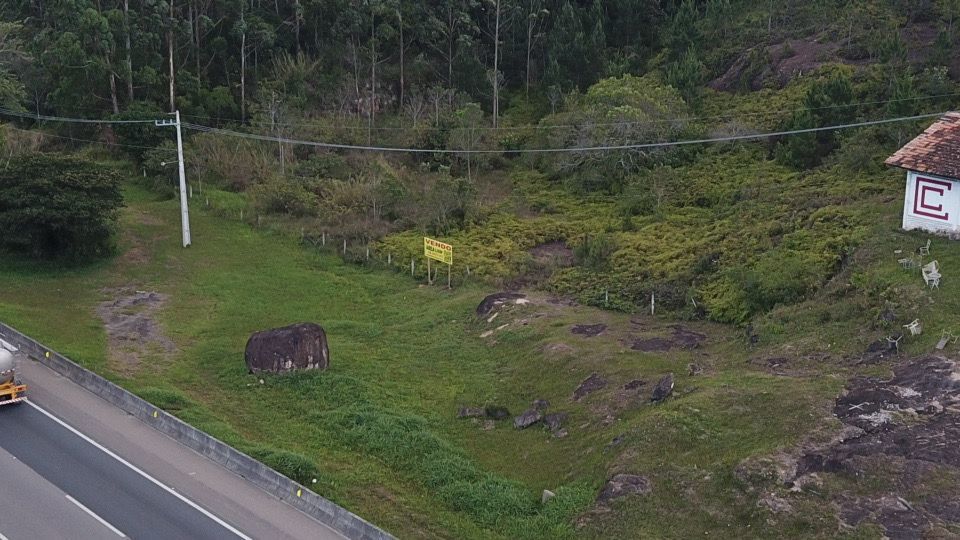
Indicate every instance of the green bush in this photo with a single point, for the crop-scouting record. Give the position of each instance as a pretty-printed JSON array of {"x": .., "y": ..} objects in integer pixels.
[
  {"x": 284, "y": 195},
  {"x": 168, "y": 400},
  {"x": 297, "y": 467},
  {"x": 59, "y": 206},
  {"x": 595, "y": 250}
]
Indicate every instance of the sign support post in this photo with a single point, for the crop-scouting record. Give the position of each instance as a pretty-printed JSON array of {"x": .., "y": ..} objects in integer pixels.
[{"x": 438, "y": 251}]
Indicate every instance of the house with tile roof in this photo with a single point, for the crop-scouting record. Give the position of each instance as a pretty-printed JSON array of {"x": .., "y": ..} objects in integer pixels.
[{"x": 932, "y": 161}]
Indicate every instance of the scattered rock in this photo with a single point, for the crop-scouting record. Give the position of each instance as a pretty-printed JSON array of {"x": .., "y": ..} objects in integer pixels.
[
  {"x": 617, "y": 440},
  {"x": 488, "y": 425},
  {"x": 546, "y": 496},
  {"x": 588, "y": 330},
  {"x": 470, "y": 412},
  {"x": 634, "y": 384},
  {"x": 622, "y": 485},
  {"x": 496, "y": 412},
  {"x": 486, "y": 334},
  {"x": 878, "y": 350},
  {"x": 663, "y": 389},
  {"x": 561, "y": 433},
  {"x": 528, "y": 418},
  {"x": 694, "y": 369},
  {"x": 555, "y": 421},
  {"x": 775, "y": 504},
  {"x": 541, "y": 404},
  {"x": 294, "y": 347},
  {"x": 496, "y": 299},
  {"x": 591, "y": 384},
  {"x": 904, "y": 431}
]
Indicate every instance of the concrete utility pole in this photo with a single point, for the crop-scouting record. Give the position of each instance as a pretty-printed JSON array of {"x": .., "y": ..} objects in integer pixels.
[{"x": 184, "y": 208}]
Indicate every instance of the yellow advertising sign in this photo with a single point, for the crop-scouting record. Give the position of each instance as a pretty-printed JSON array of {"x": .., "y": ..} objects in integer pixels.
[{"x": 438, "y": 251}]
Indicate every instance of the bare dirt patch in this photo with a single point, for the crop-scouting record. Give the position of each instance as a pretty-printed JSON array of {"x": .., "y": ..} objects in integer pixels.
[
  {"x": 680, "y": 338},
  {"x": 552, "y": 254},
  {"x": 557, "y": 349},
  {"x": 589, "y": 385},
  {"x": 686, "y": 338},
  {"x": 781, "y": 62},
  {"x": 588, "y": 330},
  {"x": 132, "y": 331}
]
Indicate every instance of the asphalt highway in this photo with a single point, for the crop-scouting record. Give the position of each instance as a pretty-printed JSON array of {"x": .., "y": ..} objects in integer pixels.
[
  {"x": 73, "y": 466},
  {"x": 107, "y": 487},
  {"x": 35, "y": 508}
]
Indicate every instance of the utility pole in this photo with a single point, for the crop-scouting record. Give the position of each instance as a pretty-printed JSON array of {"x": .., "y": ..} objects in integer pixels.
[{"x": 184, "y": 208}]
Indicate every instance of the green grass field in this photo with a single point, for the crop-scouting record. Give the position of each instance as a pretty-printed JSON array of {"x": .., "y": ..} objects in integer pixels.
[{"x": 378, "y": 430}]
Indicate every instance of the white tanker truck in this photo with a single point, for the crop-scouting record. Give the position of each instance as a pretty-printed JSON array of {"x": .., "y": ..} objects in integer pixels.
[{"x": 11, "y": 391}]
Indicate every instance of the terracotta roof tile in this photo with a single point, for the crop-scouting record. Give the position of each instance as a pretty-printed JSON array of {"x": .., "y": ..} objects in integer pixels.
[{"x": 935, "y": 151}]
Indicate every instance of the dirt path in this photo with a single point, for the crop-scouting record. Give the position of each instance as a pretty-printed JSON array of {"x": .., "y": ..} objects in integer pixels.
[{"x": 133, "y": 334}]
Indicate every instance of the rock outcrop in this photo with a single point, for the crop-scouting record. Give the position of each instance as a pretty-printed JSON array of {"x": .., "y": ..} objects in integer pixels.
[{"x": 291, "y": 348}]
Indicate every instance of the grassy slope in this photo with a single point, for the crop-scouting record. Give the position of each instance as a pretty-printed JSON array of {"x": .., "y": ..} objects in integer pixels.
[{"x": 380, "y": 424}]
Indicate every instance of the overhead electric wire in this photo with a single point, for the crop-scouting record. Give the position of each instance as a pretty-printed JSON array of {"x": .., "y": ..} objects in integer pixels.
[
  {"x": 264, "y": 123},
  {"x": 32, "y": 116},
  {"x": 391, "y": 149},
  {"x": 599, "y": 148},
  {"x": 77, "y": 139}
]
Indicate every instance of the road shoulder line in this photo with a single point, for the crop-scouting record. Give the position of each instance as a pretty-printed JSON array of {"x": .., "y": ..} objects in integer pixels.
[{"x": 137, "y": 470}]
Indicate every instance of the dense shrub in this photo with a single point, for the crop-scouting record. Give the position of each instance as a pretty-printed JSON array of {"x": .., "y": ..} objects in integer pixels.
[
  {"x": 595, "y": 250},
  {"x": 282, "y": 194},
  {"x": 59, "y": 206}
]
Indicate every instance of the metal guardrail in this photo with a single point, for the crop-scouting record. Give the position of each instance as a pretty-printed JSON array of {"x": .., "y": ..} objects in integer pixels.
[{"x": 267, "y": 479}]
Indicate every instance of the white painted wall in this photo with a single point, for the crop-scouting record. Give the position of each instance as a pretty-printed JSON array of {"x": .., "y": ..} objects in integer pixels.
[{"x": 931, "y": 203}]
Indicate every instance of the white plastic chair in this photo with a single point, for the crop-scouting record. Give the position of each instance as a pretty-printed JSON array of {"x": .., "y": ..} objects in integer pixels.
[
  {"x": 914, "y": 327},
  {"x": 931, "y": 274},
  {"x": 925, "y": 250}
]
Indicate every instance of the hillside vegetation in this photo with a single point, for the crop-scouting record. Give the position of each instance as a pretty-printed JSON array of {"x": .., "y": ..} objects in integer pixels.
[{"x": 761, "y": 272}]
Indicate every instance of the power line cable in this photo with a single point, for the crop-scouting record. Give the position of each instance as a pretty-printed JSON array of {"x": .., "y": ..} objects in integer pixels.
[
  {"x": 264, "y": 123},
  {"x": 77, "y": 139},
  {"x": 601, "y": 148},
  {"x": 32, "y": 116}
]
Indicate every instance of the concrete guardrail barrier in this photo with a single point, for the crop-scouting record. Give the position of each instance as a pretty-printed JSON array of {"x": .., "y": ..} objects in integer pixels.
[{"x": 267, "y": 479}]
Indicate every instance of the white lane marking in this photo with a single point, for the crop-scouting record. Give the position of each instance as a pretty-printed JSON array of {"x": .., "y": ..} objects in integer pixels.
[
  {"x": 134, "y": 468},
  {"x": 93, "y": 514},
  {"x": 2, "y": 537}
]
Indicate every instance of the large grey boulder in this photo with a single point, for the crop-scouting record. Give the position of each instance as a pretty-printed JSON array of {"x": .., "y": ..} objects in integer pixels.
[{"x": 291, "y": 348}]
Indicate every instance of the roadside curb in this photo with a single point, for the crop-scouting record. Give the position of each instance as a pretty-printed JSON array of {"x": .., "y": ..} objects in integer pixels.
[{"x": 267, "y": 479}]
